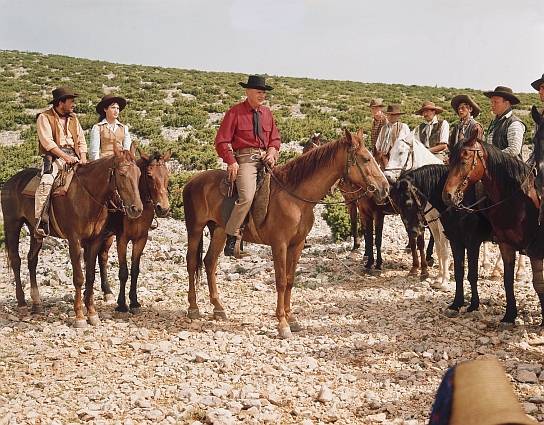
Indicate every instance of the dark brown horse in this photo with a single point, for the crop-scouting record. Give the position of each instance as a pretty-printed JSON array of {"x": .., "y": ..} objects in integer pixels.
[
  {"x": 296, "y": 188},
  {"x": 154, "y": 194},
  {"x": 81, "y": 216},
  {"x": 513, "y": 214}
]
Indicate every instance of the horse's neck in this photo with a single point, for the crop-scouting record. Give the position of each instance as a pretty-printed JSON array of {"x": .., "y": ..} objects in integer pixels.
[
  {"x": 422, "y": 156},
  {"x": 95, "y": 177}
]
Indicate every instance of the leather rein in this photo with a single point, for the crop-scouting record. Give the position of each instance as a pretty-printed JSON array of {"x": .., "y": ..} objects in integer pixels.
[{"x": 351, "y": 160}]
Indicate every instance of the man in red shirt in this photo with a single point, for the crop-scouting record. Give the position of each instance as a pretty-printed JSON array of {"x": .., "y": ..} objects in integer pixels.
[{"x": 246, "y": 140}]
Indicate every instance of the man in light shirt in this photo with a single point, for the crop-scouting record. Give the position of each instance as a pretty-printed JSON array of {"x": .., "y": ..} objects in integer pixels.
[
  {"x": 392, "y": 131},
  {"x": 506, "y": 130},
  {"x": 434, "y": 132}
]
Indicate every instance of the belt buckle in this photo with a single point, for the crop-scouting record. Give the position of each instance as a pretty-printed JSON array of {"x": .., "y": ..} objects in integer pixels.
[{"x": 255, "y": 157}]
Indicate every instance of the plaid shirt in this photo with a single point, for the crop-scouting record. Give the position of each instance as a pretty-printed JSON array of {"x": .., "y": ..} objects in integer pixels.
[{"x": 376, "y": 127}]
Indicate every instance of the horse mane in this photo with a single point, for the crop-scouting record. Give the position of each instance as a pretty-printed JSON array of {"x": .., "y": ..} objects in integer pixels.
[
  {"x": 427, "y": 178},
  {"x": 507, "y": 171},
  {"x": 299, "y": 169}
]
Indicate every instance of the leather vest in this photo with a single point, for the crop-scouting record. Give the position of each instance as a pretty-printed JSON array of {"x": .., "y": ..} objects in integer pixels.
[
  {"x": 108, "y": 138},
  {"x": 72, "y": 128},
  {"x": 434, "y": 138},
  {"x": 501, "y": 130}
]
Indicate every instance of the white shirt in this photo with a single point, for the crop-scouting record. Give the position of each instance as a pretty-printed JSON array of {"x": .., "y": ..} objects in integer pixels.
[
  {"x": 95, "y": 138},
  {"x": 514, "y": 136},
  {"x": 384, "y": 142}
]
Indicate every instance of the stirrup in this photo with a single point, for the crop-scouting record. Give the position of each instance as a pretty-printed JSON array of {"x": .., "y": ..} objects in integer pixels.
[{"x": 41, "y": 230}]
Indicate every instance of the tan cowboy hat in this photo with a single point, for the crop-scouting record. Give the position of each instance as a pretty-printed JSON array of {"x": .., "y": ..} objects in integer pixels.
[
  {"x": 394, "y": 109},
  {"x": 504, "y": 92},
  {"x": 482, "y": 395},
  {"x": 537, "y": 83},
  {"x": 429, "y": 106},
  {"x": 256, "y": 82},
  {"x": 376, "y": 102},
  {"x": 108, "y": 100},
  {"x": 465, "y": 98},
  {"x": 63, "y": 93}
]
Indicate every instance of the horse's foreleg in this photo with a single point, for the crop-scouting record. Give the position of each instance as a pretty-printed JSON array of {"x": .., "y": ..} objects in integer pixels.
[
  {"x": 75, "y": 250},
  {"x": 415, "y": 258},
  {"x": 521, "y": 269},
  {"x": 103, "y": 267},
  {"x": 473, "y": 252},
  {"x": 279, "y": 253},
  {"x": 369, "y": 242},
  {"x": 194, "y": 263},
  {"x": 354, "y": 219},
  {"x": 137, "y": 250},
  {"x": 538, "y": 283},
  {"x": 217, "y": 242},
  {"x": 32, "y": 258},
  {"x": 14, "y": 260},
  {"x": 293, "y": 255},
  {"x": 458, "y": 251},
  {"x": 122, "y": 243},
  {"x": 496, "y": 272},
  {"x": 508, "y": 254},
  {"x": 486, "y": 263},
  {"x": 430, "y": 249},
  {"x": 379, "y": 218},
  {"x": 90, "y": 253},
  {"x": 421, "y": 248}
]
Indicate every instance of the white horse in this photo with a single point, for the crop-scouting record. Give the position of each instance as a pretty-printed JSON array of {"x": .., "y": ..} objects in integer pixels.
[{"x": 406, "y": 154}]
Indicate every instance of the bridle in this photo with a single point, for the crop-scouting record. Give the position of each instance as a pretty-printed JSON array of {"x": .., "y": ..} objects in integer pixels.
[
  {"x": 458, "y": 194},
  {"x": 408, "y": 157},
  {"x": 351, "y": 160}
]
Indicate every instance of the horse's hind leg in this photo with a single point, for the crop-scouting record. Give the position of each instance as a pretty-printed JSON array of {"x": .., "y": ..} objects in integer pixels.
[
  {"x": 509, "y": 257},
  {"x": 521, "y": 270},
  {"x": 473, "y": 252},
  {"x": 123, "y": 275},
  {"x": 538, "y": 283},
  {"x": 354, "y": 219},
  {"x": 458, "y": 251},
  {"x": 293, "y": 255},
  {"x": 379, "y": 218},
  {"x": 429, "y": 250},
  {"x": 217, "y": 242},
  {"x": 421, "y": 248},
  {"x": 14, "y": 260},
  {"x": 103, "y": 267},
  {"x": 90, "y": 253},
  {"x": 32, "y": 258},
  {"x": 415, "y": 259}
]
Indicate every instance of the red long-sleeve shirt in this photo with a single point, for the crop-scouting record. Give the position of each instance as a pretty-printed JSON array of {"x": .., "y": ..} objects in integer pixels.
[{"x": 236, "y": 130}]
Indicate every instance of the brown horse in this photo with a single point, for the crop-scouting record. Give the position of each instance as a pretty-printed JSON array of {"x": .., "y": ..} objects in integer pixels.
[
  {"x": 296, "y": 188},
  {"x": 513, "y": 214},
  {"x": 154, "y": 194},
  {"x": 80, "y": 215}
]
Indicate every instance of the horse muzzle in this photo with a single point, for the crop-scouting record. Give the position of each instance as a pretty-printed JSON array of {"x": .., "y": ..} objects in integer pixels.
[
  {"x": 161, "y": 211},
  {"x": 452, "y": 200},
  {"x": 133, "y": 211}
]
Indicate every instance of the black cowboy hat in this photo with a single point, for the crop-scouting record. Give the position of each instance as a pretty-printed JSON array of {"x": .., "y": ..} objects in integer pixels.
[
  {"x": 537, "y": 83},
  {"x": 394, "y": 108},
  {"x": 465, "y": 98},
  {"x": 63, "y": 93},
  {"x": 108, "y": 100},
  {"x": 255, "y": 82},
  {"x": 504, "y": 92}
]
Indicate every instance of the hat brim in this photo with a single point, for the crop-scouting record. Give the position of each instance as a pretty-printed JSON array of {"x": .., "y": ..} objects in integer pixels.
[
  {"x": 63, "y": 98},
  {"x": 395, "y": 113},
  {"x": 251, "y": 86},
  {"x": 536, "y": 84},
  {"x": 437, "y": 109},
  {"x": 508, "y": 96},
  {"x": 105, "y": 103},
  {"x": 463, "y": 98}
]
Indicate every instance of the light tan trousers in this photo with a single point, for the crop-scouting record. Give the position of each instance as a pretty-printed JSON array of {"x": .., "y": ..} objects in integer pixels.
[
  {"x": 246, "y": 184},
  {"x": 43, "y": 192}
]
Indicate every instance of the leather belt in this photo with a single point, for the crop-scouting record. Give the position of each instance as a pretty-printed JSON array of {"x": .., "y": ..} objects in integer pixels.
[{"x": 246, "y": 151}]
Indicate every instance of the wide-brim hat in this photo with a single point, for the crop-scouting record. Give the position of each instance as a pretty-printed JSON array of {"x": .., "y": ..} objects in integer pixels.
[
  {"x": 505, "y": 92},
  {"x": 108, "y": 100},
  {"x": 537, "y": 83},
  {"x": 376, "y": 102},
  {"x": 394, "y": 108},
  {"x": 482, "y": 395},
  {"x": 429, "y": 106},
  {"x": 465, "y": 98},
  {"x": 63, "y": 93},
  {"x": 256, "y": 82}
]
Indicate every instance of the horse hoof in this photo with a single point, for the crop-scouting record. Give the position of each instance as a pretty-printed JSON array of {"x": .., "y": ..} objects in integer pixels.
[
  {"x": 285, "y": 333},
  {"x": 413, "y": 271},
  {"x": 295, "y": 326},
  {"x": 37, "y": 309},
  {"x": 219, "y": 315},
  {"x": 94, "y": 320},
  {"x": 430, "y": 262},
  {"x": 136, "y": 311},
  {"x": 109, "y": 298},
  {"x": 121, "y": 315},
  {"x": 193, "y": 314},
  {"x": 494, "y": 278},
  {"x": 80, "y": 323},
  {"x": 22, "y": 311},
  {"x": 424, "y": 276}
]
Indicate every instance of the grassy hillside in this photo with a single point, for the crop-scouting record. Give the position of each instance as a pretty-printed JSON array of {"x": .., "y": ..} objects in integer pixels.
[{"x": 181, "y": 109}]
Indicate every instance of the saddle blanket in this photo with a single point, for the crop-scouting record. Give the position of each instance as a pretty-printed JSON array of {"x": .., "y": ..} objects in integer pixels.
[{"x": 60, "y": 185}]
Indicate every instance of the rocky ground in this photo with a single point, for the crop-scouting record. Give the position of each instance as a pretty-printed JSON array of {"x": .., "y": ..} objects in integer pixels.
[{"x": 373, "y": 348}]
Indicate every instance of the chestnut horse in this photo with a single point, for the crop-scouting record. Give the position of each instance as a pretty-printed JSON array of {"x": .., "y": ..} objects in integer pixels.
[
  {"x": 154, "y": 194},
  {"x": 514, "y": 211},
  {"x": 80, "y": 217},
  {"x": 294, "y": 190}
]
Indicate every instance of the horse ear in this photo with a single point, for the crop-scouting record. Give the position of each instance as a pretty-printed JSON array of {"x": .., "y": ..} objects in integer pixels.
[
  {"x": 318, "y": 139},
  {"x": 143, "y": 155},
  {"x": 349, "y": 137},
  {"x": 132, "y": 148},
  {"x": 536, "y": 115},
  {"x": 167, "y": 154},
  {"x": 360, "y": 133}
]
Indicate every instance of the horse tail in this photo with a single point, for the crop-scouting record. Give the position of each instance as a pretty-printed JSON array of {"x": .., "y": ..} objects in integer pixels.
[{"x": 199, "y": 250}]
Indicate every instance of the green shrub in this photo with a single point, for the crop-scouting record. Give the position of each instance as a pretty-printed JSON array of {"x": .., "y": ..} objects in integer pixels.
[{"x": 337, "y": 217}]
